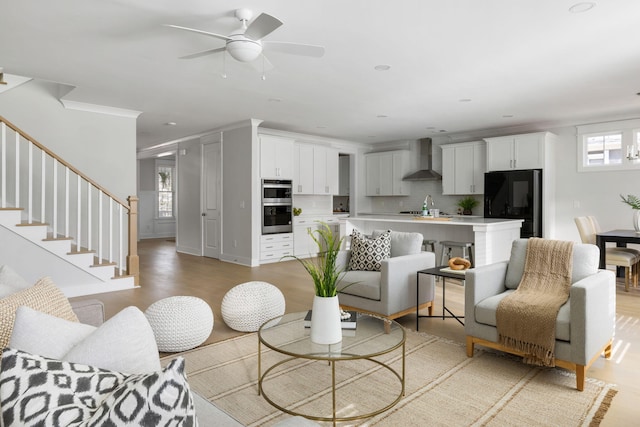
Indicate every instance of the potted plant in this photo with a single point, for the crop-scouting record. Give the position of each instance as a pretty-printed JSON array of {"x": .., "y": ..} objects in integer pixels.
[
  {"x": 326, "y": 275},
  {"x": 634, "y": 202},
  {"x": 467, "y": 204}
]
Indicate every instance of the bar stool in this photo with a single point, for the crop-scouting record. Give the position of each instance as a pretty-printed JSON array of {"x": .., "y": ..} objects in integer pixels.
[
  {"x": 429, "y": 243},
  {"x": 448, "y": 245}
]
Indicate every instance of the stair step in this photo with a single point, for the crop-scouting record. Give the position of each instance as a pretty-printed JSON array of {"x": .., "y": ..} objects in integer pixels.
[
  {"x": 32, "y": 224},
  {"x": 104, "y": 264},
  {"x": 11, "y": 209},
  {"x": 55, "y": 239}
]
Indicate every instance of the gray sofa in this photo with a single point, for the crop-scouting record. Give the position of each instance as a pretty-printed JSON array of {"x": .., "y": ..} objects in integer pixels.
[{"x": 585, "y": 323}]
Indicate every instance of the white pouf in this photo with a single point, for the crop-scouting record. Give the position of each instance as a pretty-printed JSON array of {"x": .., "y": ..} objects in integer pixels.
[
  {"x": 180, "y": 323},
  {"x": 248, "y": 305}
]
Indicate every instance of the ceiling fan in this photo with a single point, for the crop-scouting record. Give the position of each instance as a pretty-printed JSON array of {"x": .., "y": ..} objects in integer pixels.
[{"x": 245, "y": 44}]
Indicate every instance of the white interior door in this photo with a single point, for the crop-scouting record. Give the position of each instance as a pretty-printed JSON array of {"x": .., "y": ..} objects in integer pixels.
[{"x": 211, "y": 187}]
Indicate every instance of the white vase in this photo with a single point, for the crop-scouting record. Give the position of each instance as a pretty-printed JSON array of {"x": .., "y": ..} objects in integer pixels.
[
  {"x": 636, "y": 220},
  {"x": 325, "y": 320}
]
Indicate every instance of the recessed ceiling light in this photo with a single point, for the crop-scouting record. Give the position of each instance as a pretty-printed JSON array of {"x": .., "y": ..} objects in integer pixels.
[
  {"x": 442, "y": 130},
  {"x": 275, "y": 100},
  {"x": 321, "y": 127},
  {"x": 465, "y": 100},
  {"x": 371, "y": 136},
  {"x": 382, "y": 67},
  {"x": 507, "y": 116},
  {"x": 582, "y": 7},
  {"x": 171, "y": 123},
  {"x": 382, "y": 116}
]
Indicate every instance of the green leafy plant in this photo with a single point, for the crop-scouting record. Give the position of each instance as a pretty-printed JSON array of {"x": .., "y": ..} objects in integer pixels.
[
  {"x": 323, "y": 269},
  {"x": 164, "y": 177},
  {"x": 297, "y": 211},
  {"x": 467, "y": 203},
  {"x": 632, "y": 201}
]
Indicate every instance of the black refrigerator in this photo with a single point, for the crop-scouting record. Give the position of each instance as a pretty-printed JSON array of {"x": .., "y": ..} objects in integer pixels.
[{"x": 514, "y": 195}]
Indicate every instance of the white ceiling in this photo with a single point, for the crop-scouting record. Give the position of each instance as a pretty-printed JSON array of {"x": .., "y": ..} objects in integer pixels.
[{"x": 530, "y": 59}]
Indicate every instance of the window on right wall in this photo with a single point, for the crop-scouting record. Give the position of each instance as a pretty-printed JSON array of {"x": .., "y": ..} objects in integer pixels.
[{"x": 609, "y": 146}]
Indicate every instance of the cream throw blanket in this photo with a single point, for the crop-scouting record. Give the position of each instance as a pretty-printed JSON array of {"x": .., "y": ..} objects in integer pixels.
[{"x": 526, "y": 319}]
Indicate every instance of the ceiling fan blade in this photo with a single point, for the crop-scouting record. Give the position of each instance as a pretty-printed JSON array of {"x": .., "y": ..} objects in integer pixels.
[
  {"x": 193, "y": 30},
  {"x": 262, "y": 26},
  {"x": 294, "y": 48},
  {"x": 203, "y": 53}
]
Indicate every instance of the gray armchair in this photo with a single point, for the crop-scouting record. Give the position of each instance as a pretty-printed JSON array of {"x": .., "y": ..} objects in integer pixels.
[
  {"x": 391, "y": 292},
  {"x": 585, "y": 323}
]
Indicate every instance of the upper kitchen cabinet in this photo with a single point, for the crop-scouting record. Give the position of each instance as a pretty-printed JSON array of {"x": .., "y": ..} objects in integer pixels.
[
  {"x": 385, "y": 171},
  {"x": 463, "y": 168},
  {"x": 276, "y": 157},
  {"x": 526, "y": 151},
  {"x": 315, "y": 169}
]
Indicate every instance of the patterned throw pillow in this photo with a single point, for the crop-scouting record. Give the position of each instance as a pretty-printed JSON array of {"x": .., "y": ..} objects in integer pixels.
[
  {"x": 36, "y": 390},
  {"x": 367, "y": 254}
]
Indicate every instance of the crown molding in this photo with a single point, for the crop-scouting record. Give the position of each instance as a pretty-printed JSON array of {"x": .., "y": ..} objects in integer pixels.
[{"x": 101, "y": 109}]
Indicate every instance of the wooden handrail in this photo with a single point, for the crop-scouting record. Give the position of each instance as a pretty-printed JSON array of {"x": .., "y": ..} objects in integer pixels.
[{"x": 63, "y": 162}]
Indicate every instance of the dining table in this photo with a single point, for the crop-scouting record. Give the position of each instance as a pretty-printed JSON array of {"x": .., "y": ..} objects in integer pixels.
[{"x": 620, "y": 237}]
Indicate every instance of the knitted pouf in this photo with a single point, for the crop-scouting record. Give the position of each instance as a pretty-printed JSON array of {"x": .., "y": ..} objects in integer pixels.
[
  {"x": 180, "y": 323},
  {"x": 248, "y": 305}
]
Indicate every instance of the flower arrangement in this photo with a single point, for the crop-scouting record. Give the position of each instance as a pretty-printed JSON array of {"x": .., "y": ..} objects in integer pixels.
[
  {"x": 323, "y": 269},
  {"x": 632, "y": 201}
]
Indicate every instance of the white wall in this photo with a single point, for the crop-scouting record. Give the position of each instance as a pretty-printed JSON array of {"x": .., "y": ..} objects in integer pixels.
[
  {"x": 103, "y": 146},
  {"x": 241, "y": 195},
  {"x": 589, "y": 193}
]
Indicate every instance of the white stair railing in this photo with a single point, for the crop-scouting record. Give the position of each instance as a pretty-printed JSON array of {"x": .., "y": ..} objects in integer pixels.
[{"x": 51, "y": 199}]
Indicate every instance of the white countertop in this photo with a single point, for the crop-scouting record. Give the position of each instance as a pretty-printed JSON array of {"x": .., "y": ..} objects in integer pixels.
[{"x": 455, "y": 220}]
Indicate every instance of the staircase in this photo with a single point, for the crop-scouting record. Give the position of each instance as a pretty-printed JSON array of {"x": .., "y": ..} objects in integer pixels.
[{"x": 55, "y": 221}]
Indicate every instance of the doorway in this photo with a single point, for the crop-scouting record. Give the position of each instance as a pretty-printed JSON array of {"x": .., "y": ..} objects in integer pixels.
[{"x": 211, "y": 199}]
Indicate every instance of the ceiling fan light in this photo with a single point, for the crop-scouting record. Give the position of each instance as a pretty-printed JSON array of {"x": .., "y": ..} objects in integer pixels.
[{"x": 244, "y": 50}]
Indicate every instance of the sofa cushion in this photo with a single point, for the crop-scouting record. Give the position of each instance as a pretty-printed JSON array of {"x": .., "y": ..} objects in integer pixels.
[
  {"x": 485, "y": 313},
  {"x": 42, "y": 391},
  {"x": 585, "y": 262},
  {"x": 366, "y": 253},
  {"x": 43, "y": 296},
  {"x": 10, "y": 281},
  {"x": 402, "y": 243},
  {"x": 365, "y": 284},
  {"x": 124, "y": 343}
]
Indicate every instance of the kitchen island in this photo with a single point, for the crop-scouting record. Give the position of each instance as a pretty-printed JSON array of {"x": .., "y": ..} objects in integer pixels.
[{"x": 492, "y": 237}]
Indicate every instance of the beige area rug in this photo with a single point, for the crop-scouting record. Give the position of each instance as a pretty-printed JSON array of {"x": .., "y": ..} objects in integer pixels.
[{"x": 443, "y": 387}]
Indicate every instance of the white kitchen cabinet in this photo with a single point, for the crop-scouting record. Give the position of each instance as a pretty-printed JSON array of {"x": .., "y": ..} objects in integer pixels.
[
  {"x": 303, "y": 169},
  {"x": 303, "y": 244},
  {"x": 315, "y": 169},
  {"x": 276, "y": 157},
  {"x": 527, "y": 151},
  {"x": 463, "y": 168},
  {"x": 384, "y": 172},
  {"x": 275, "y": 246}
]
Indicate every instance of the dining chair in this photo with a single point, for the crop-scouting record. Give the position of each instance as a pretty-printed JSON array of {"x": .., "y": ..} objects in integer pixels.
[{"x": 627, "y": 258}]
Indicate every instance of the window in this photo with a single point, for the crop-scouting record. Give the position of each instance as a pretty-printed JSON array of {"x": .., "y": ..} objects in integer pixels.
[
  {"x": 609, "y": 146},
  {"x": 604, "y": 149},
  {"x": 165, "y": 187}
]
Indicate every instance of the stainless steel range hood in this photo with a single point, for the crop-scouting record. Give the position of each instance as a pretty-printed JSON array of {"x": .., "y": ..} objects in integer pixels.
[{"x": 425, "y": 173}]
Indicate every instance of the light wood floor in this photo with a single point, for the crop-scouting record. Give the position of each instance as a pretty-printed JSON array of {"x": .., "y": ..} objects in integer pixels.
[{"x": 164, "y": 272}]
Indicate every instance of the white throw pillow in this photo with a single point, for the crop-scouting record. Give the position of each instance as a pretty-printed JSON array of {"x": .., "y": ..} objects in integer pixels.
[
  {"x": 124, "y": 343},
  {"x": 40, "y": 333}
]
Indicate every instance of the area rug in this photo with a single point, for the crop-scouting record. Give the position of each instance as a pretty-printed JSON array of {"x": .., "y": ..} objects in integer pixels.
[{"x": 443, "y": 387}]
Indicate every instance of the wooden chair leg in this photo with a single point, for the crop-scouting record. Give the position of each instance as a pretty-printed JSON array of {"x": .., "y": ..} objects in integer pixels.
[
  {"x": 469, "y": 346},
  {"x": 627, "y": 273},
  {"x": 580, "y": 373}
]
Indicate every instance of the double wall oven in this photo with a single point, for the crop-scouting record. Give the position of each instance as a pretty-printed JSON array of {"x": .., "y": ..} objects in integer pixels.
[{"x": 277, "y": 216}]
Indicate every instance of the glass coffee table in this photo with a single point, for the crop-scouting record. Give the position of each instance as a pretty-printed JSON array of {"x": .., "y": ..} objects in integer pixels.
[{"x": 372, "y": 337}]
